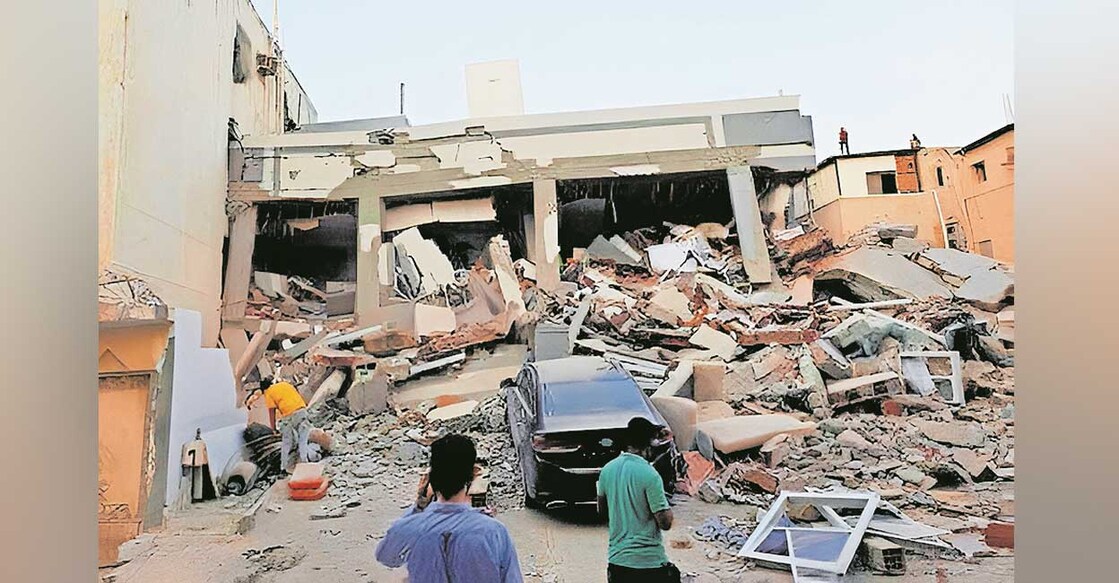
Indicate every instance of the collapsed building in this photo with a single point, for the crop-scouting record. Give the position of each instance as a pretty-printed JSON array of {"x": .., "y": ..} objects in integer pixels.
[{"x": 362, "y": 256}]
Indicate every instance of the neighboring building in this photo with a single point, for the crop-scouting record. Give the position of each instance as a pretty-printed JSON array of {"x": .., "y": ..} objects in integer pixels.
[
  {"x": 176, "y": 80},
  {"x": 979, "y": 183},
  {"x": 172, "y": 76},
  {"x": 549, "y": 182},
  {"x": 958, "y": 197}
]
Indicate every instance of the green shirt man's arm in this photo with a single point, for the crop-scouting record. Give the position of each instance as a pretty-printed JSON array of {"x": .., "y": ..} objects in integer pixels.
[{"x": 658, "y": 504}]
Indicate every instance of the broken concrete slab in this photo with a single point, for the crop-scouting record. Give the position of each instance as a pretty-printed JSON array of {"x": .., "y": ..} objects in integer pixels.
[
  {"x": 875, "y": 274},
  {"x": 868, "y": 329},
  {"x": 953, "y": 265},
  {"x": 434, "y": 268},
  {"x": 890, "y": 231},
  {"x": 908, "y": 246},
  {"x": 917, "y": 377},
  {"x": 601, "y": 248},
  {"x": 989, "y": 290},
  {"x": 708, "y": 379},
  {"x": 669, "y": 305},
  {"x": 626, "y": 248},
  {"x": 452, "y": 411},
  {"x": 960, "y": 433},
  {"x": 850, "y": 438},
  {"x": 340, "y": 358},
  {"x": 829, "y": 359},
  {"x": 974, "y": 463},
  {"x": 858, "y": 389},
  {"x": 802, "y": 290},
  {"x": 993, "y": 350},
  {"x": 328, "y": 389},
  {"x": 746, "y": 432},
  {"x": 433, "y": 319},
  {"x": 369, "y": 394},
  {"x": 708, "y": 337},
  {"x": 679, "y": 382},
  {"x": 1005, "y": 321},
  {"x": 970, "y": 544},
  {"x": 711, "y": 410},
  {"x": 272, "y": 285}
]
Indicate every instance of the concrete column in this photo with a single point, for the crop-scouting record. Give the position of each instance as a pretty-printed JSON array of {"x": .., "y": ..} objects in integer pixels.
[
  {"x": 368, "y": 298},
  {"x": 545, "y": 234},
  {"x": 748, "y": 223}
]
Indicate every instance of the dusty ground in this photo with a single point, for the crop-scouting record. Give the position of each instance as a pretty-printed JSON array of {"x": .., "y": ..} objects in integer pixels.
[{"x": 287, "y": 546}]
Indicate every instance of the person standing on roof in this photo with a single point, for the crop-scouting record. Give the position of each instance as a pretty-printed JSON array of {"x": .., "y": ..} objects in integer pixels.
[
  {"x": 631, "y": 494},
  {"x": 843, "y": 148},
  {"x": 287, "y": 413},
  {"x": 914, "y": 143},
  {"x": 447, "y": 540}
]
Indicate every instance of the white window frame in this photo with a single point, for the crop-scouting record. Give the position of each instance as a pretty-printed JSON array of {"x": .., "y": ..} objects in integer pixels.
[{"x": 825, "y": 503}]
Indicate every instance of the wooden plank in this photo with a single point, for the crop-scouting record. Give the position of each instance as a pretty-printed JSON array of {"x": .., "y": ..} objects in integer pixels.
[{"x": 239, "y": 267}]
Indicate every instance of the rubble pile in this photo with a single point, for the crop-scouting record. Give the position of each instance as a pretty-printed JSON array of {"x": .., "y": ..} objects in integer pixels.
[
  {"x": 391, "y": 449},
  {"x": 882, "y": 365}
]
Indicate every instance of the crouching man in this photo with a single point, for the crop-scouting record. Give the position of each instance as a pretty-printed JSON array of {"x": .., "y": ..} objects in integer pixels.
[
  {"x": 446, "y": 540},
  {"x": 631, "y": 494},
  {"x": 287, "y": 413}
]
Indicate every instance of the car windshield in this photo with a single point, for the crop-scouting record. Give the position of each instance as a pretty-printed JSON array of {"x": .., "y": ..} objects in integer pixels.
[{"x": 591, "y": 397}]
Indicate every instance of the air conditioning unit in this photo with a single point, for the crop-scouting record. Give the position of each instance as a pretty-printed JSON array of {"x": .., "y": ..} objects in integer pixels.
[{"x": 265, "y": 65}]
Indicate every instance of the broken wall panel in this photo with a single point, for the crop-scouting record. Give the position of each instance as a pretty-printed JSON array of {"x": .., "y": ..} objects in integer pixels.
[
  {"x": 461, "y": 226},
  {"x": 767, "y": 128},
  {"x": 239, "y": 264},
  {"x": 748, "y": 223}
]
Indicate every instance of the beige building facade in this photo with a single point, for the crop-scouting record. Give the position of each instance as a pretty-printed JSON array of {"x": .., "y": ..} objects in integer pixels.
[{"x": 958, "y": 197}]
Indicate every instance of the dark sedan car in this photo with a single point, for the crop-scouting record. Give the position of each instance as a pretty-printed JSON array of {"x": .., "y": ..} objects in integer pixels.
[{"x": 567, "y": 417}]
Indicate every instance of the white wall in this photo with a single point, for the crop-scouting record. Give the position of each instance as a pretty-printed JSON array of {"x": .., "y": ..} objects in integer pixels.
[
  {"x": 202, "y": 397},
  {"x": 167, "y": 92},
  {"x": 823, "y": 186},
  {"x": 852, "y": 172}
]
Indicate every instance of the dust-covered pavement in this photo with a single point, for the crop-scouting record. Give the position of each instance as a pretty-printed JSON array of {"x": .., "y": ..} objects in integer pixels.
[{"x": 288, "y": 546}]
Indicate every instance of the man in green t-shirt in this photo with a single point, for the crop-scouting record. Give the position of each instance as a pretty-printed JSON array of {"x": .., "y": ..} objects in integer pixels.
[{"x": 631, "y": 494}]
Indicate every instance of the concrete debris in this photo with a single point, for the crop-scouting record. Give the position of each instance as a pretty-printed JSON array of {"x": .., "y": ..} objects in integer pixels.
[
  {"x": 604, "y": 249},
  {"x": 798, "y": 380},
  {"x": 961, "y": 433},
  {"x": 874, "y": 274},
  {"x": 988, "y": 290},
  {"x": 864, "y": 388}
]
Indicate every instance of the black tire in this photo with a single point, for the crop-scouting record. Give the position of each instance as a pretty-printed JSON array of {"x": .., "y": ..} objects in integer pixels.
[
  {"x": 530, "y": 502},
  {"x": 533, "y": 503}
]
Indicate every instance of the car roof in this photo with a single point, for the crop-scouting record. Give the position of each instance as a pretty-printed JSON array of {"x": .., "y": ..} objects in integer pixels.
[{"x": 578, "y": 369}]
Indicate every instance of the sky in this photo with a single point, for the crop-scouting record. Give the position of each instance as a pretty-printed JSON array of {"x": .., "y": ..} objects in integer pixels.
[{"x": 882, "y": 69}]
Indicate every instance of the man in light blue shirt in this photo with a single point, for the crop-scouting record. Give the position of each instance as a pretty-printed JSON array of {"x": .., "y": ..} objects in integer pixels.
[{"x": 448, "y": 541}]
